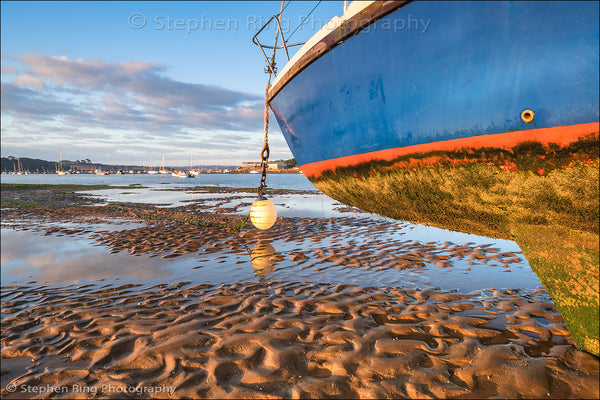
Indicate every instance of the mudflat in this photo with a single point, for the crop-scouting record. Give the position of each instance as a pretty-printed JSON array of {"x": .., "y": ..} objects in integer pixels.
[{"x": 269, "y": 338}]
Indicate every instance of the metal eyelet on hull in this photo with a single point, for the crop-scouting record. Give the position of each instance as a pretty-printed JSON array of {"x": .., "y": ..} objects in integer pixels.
[{"x": 527, "y": 116}]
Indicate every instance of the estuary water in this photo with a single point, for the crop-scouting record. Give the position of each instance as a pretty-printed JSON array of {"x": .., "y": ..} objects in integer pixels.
[
  {"x": 326, "y": 243},
  {"x": 274, "y": 181}
]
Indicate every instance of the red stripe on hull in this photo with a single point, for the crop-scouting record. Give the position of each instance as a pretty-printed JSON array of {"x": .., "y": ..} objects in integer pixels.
[{"x": 561, "y": 135}]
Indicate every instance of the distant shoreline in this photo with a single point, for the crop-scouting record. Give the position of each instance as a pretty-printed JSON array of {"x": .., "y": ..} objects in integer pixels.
[{"x": 269, "y": 171}]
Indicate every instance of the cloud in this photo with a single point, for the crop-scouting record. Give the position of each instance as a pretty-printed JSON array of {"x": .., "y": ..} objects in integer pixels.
[
  {"x": 29, "y": 81},
  {"x": 133, "y": 96},
  {"x": 9, "y": 69},
  {"x": 31, "y": 104},
  {"x": 144, "y": 85}
]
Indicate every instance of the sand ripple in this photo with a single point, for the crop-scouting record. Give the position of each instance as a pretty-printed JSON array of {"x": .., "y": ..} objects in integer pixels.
[{"x": 283, "y": 340}]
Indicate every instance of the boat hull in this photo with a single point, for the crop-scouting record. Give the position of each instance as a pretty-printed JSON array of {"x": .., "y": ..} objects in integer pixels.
[
  {"x": 479, "y": 117},
  {"x": 456, "y": 71}
]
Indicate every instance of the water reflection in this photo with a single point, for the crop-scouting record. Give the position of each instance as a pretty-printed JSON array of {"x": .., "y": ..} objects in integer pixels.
[
  {"x": 335, "y": 251},
  {"x": 32, "y": 256},
  {"x": 337, "y": 247},
  {"x": 263, "y": 258}
]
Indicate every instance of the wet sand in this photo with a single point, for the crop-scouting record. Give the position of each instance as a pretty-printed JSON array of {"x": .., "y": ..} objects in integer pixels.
[
  {"x": 284, "y": 340},
  {"x": 274, "y": 339}
]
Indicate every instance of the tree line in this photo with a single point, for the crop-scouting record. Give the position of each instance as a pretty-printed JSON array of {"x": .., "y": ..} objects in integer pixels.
[{"x": 16, "y": 164}]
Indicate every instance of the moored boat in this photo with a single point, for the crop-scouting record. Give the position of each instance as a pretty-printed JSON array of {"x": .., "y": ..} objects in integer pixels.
[
  {"x": 182, "y": 174},
  {"x": 392, "y": 79},
  {"x": 479, "y": 117},
  {"x": 162, "y": 169},
  {"x": 59, "y": 168}
]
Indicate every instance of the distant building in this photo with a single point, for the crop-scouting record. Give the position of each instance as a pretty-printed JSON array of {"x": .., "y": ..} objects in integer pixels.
[
  {"x": 255, "y": 166},
  {"x": 277, "y": 165},
  {"x": 251, "y": 165}
]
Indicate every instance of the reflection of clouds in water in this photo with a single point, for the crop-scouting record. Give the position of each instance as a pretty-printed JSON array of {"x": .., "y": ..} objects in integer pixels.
[
  {"x": 59, "y": 259},
  {"x": 40, "y": 260}
]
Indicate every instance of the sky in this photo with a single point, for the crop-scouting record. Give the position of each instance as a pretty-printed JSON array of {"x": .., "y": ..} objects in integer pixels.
[{"x": 133, "y": 82}]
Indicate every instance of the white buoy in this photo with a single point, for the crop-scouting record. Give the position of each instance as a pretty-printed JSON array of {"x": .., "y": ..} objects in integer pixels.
[{"x": 263, "y": 213}]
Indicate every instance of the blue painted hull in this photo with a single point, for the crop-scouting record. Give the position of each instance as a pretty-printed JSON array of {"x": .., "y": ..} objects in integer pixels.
[{"x": 440, "y": 71}]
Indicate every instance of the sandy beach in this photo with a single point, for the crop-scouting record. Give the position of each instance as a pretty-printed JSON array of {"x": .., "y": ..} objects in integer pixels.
[
  {"x": 270, "y": 338},
  {"x": 289, "y": 341}
]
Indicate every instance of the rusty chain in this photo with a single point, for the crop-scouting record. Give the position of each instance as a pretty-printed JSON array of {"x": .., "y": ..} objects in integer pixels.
[{"x": 264, "y": 154}]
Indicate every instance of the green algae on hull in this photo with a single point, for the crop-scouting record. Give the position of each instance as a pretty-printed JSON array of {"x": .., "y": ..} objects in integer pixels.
[{"x": 552, "y": 214}]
